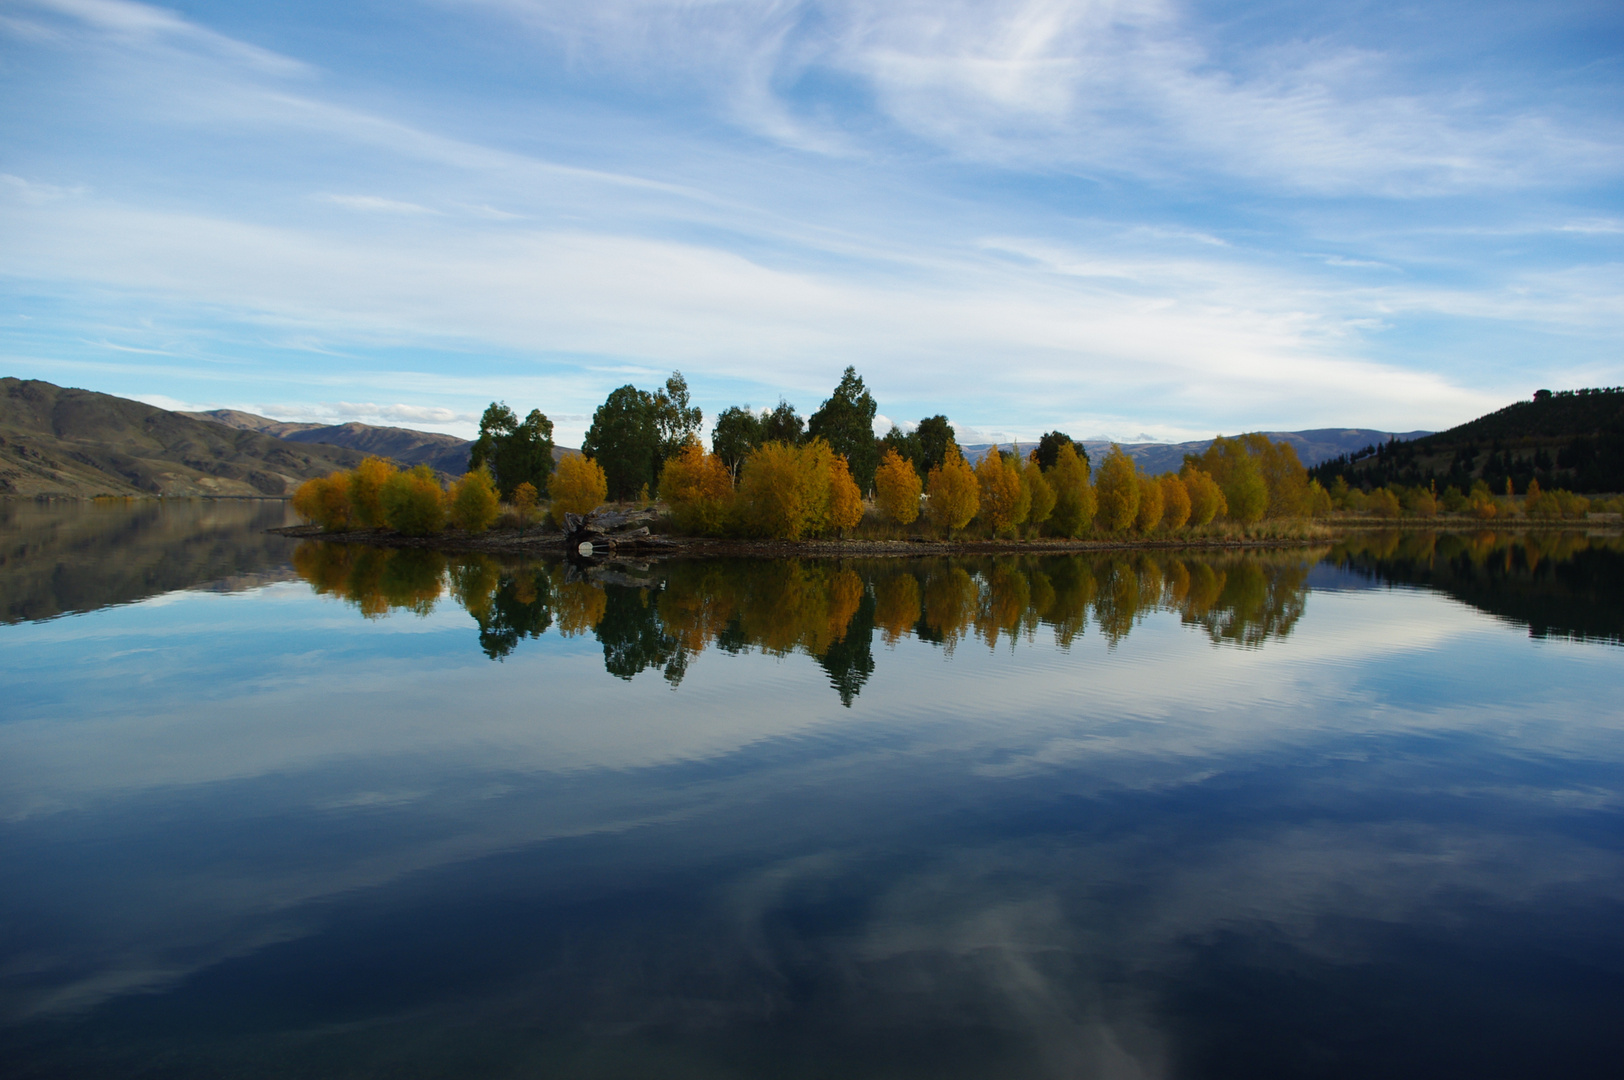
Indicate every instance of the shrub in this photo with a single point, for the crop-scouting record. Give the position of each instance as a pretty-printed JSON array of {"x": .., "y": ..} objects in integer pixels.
[
  {"x": 473, "y": 500},
  {"x": 699, "y": 489},
  {"x": 366, "y": 483},
  {"x": 413, "y": 503},
  {"x": 325, "y": 501}
]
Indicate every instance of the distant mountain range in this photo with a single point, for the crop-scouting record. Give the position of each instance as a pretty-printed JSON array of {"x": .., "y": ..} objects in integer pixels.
[
  {"x": 444, "y": 453},
  {"x": 1312, "y": 446},
  {"x": 59, "y": 441}
]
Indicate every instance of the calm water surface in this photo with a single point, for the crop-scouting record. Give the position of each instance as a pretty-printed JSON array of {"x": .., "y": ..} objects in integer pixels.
[{"x": 272, "y": 810}]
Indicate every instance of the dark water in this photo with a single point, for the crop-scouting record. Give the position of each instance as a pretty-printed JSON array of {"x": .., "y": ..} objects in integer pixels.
[{"x": 269, "y": 810}]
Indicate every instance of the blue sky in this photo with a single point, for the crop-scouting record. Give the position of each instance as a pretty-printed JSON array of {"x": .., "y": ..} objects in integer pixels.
[{"x": 1123, "y": 219}]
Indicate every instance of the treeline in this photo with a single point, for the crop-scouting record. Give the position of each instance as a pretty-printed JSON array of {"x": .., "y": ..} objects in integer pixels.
[
  {"x": 1478, "y": 502},
  {"x": 830, "y": 612}
]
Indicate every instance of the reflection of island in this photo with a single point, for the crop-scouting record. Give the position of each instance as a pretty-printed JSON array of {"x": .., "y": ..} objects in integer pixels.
[
  {"x": 662, "y": 617},
  {"x": 71, "y": 556},
  {"x": 1564, "y": 585}
]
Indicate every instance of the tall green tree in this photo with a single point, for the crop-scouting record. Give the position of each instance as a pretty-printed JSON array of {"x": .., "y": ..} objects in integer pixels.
[
  {"x": 516, "y": 452},
  {"x": 937, "y": 442},
  {"x": 739, "y": 430},
  {"x": 1049, "y": 448},
  {"x": 624, "y": 440},
  {"x": 675, "y": 418},
  {"x": 783, "y": 425},
  {"x": 846, "y": 423},
  {"x": 905, "y": 443}
]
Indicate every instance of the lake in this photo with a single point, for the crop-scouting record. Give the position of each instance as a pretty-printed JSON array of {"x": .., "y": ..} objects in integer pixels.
[{"x": 274, "y": 808}]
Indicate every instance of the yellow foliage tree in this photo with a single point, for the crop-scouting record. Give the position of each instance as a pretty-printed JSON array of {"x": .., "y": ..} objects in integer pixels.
[
  {"x": 1149, "y": 515},
  {"x": 325, "y": 501},
  {"x": 1206, "y": 497},
  {"x": 366, "y": 483},
  {"x": 845, "y": 501},
  {"x": 952, "y": 493},
  {"x": 897, "y": 488},
  {"x": 413, "y": 502},
  {"x": 525, "y": 498},
  {"x": 1175, "y": 502},
  {"x": 784, "y": 490},
  {"x": 577, "y": 486},
  {"x": 1118, "y": 491},
  {"x": 474, "y": 503},
  {"x": 1040, "y": 498},
  {"x": 999, "y": 488},
  {"x": 698, "y": 488},
  {"x": 1075, "y": 499}
]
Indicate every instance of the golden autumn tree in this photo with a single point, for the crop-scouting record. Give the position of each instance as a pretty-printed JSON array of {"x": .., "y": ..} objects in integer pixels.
[
  {"x": 413, "y": 502},
  {"x": 1175, "y": 502},
  {"x": 577, "y": 486},
  {"x": 897, "y": 488},
  {"x": 1075, "y": 499},
  {"x": 699, "y": 489},
  {"x": 845, "y": 501},
  {"x": 325, "y": 501},
  {"x": 1117, "y": 490},
  {"x": 784, "y": 490},
  {"x": 896, "y": 605},
  {"x": 525, "y": 498},
  {"x": 952, "y": 492},
  {"x": 1206, "y": 497},
  {"x": 473, "y": 502},
  {"x": 366, "y": 483},
  {"x": 1039, "y": 492},
  {"x": 999, "y": 487},
  {"x": 1149, "y": 515}
]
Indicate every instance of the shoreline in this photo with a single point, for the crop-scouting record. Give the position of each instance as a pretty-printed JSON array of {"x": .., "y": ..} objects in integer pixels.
[{"x": 542, "y": 544}]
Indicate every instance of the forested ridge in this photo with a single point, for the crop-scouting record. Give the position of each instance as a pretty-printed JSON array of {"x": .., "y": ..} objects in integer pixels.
[{"x": 1572, "y": 439}]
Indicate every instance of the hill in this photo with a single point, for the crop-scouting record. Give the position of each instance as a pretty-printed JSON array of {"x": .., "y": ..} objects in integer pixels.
[
  {"x": 1570, "y": 439},
  {"x": 444, "y": 453},
  {"x": 62, "y": 441}
]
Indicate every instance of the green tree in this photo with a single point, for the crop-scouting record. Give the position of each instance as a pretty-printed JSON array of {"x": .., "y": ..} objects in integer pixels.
[
  {"x": 739, "y": 430},
  {"x": 624, "y": 440},
  {"x": 905, "y": 444},
  {"x": 937, "y": 442},
  {"x": 516, "y": 452},
  {"x": 783, "y": 425},
  {"x": 1049, "y": 449},
  {"x": 675, "y": 418},
  {"x": 413, "y": 502},
  {"x": 1118, "y": 488},
  {"x": 846, "y": 423}
]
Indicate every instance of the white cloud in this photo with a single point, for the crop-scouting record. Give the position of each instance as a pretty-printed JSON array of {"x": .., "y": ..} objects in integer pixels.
[{"x": 376, "y": 204}]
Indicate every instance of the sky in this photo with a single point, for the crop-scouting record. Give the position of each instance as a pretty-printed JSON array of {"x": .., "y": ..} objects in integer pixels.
[{"x": 1127, "y": 219}]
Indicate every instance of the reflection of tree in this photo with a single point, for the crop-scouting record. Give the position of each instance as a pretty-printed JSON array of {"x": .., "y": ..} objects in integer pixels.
[
  {"x": 668, "y": 616},
  {"x": 1558, "y": 584}
]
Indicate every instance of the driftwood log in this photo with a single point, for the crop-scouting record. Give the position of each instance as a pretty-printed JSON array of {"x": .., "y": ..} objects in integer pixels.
[{"x": 611, "y": 532}]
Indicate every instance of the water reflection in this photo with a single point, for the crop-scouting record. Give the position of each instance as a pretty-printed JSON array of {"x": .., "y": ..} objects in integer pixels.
[
  {"x": 59, "y": 558},
  {"x": 660, "y": 617},
  {"x": 1562, "y": 585}
]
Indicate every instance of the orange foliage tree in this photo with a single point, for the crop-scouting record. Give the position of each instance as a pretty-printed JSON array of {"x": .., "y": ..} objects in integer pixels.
[
  {"x": 1206, "y": 497},
  {"x": 325, "y": 501},
  {"x": 413, "y": 502},
  {"x": 698, "y": 488},
  {"x": 1075, "y": 499},
  {"x": 1175, "y": 502},
  {"x": 999, "y": 488},
  {"x": 845, "y": 501},
  {"x": 473, "y": 502},
  {"x": 366, "y": 483},
  {"x": 1118, "y": 491},
  {"x": 1149, "y": 515}
]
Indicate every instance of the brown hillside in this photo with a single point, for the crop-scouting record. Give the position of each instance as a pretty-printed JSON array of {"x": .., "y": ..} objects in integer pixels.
[{"x": 60, "y": 441}]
